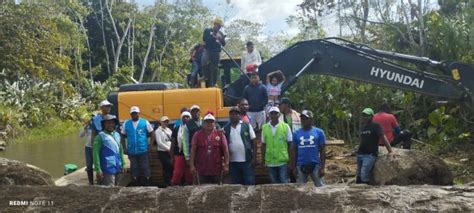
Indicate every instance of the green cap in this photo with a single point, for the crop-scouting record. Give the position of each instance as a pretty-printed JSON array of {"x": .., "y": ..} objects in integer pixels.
[{"x": 368, "y": 111}]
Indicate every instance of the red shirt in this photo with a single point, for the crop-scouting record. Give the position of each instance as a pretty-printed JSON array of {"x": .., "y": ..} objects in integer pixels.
[
  {"x": 210, "y": 150},
  {"x": 245, "y": 118},
  {"x": 388, "y": 122}
]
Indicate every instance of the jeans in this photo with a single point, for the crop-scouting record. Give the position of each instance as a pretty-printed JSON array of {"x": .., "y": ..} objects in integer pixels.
[
  {"x": 209, "y": 63},
  {"x": 139, "y": 163},
  {"x": 195, "y": 70},
  {"x": 242, "y": 173},
  {"x": 365, "y": 164},
  {"x": 89, "y": 163},
  {"x": 166, "y": 165},
  {"x": 303, "y": 178},
  {"x": 110, "y": 180},
  {"x": 278, "y": 174}
]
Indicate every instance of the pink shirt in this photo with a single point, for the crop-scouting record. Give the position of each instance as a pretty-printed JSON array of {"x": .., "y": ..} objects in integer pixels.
[
  {"x": 388, "y": 122},
  {"x": 274, "y": 90}
]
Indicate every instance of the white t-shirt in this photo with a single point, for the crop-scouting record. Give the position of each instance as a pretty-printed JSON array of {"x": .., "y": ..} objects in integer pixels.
[
  {"x": 163, "y": 138},
  {"x": 289, "y": 135},
  {"x": 149, "y": 128},
  {"x": 87, "y": 133},
  {"x": 250, "y": 58},
  {"x": 236, "y": 144}
]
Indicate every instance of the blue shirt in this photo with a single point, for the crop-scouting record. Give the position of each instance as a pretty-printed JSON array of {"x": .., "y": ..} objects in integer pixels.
[
  {"x": 96, "y": 123},
  {"x": 308, "y": 144},
  {"x": 178, "y": 123}
]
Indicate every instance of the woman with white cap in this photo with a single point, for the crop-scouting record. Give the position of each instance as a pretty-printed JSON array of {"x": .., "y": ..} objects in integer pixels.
[
  {"x": 178, "y": 138},
  {"x": 105, "y": 107},
  {"x": 163, "y": 142}
]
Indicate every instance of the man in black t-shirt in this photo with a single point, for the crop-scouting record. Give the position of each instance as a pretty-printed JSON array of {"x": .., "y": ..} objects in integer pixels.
[
  {"x": 214, "y": 39},
  {"x": 368, "y": 149}
]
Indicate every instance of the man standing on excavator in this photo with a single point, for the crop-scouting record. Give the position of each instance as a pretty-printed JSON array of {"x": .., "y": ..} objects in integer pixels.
[
  {"x": 250, "y": 57},
  {"x": 214, "y": 39}
]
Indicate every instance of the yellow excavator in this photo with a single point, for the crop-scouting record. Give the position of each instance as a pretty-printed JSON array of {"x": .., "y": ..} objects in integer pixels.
[{"x": 447, "y": 80}]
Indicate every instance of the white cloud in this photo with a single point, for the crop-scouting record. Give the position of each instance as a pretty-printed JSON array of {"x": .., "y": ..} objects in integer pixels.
[
  {"x": 271, "y": 13},
  {"x": 264, "y": 11}
]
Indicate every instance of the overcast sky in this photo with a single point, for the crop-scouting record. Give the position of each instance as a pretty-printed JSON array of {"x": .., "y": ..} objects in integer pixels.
[{"x": 271, "y": 13}]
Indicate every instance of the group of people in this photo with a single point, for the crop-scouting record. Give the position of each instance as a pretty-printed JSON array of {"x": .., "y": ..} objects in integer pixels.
[
  {"x": 197, "y": 150},
  {"x": 205, "y": 57}
]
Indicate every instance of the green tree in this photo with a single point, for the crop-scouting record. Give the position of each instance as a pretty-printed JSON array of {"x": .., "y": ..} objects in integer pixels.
[{"x": 36, "y": 41}]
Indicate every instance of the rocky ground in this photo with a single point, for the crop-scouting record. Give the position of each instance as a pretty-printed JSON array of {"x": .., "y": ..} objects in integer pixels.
[
  {"x": 26, "y": 188},
  {"x": 233, "y": 198},
  {"x": 460, "y": 160},
  {"x": 341, "y": 165}
]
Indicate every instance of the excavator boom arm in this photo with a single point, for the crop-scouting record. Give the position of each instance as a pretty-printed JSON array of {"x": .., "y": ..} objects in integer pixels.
[{"x": 361, "y": 63}]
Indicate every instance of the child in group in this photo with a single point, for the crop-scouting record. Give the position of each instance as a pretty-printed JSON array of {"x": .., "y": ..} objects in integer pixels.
[{"x": 275, "y": 80}]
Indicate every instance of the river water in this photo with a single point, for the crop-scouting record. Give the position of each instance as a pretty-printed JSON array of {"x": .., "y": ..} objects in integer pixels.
[{"x": 50, "y": 154}]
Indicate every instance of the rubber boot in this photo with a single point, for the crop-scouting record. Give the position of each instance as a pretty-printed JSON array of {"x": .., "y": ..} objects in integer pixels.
[
  {"x": 90, "y": 177},
  {"x": 147, "y": 181},
  {"x": 135, "y": 181}
]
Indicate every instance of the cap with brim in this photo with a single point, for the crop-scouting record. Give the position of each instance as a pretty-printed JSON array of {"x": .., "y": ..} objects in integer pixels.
[
  {"x": 209, "y": 117},
  {"x": 368, "y": 111},
  {"x": 105, "y": 103},
  {"x": 251, "y": 68},
  {"x": 234, "y": 109},
  {"x": 219, "y": 21},
  {"x": 185, "y": 113},
  {"x": 306, "y": 113},
  {"x": 134, "y": 109},
  {"x": 194, "y": 107},
  {"x": 274, "y": 109},
  {"x": 285, "y": 100},
  {"x": 164, "y": 118},
  {"x": 108, "y": 117}
]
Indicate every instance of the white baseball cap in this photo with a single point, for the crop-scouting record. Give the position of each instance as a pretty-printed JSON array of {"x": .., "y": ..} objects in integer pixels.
[
  {"x": 185, "y": 113},
  {"x": 274, "y": 109},
  {"x": 209, "y": 117},
  {"x": 134, "y": 109},
  {"x": 164, "y": 118},
  {"x": 194, "y": 107},
  {"x": 105, "y": 103}
]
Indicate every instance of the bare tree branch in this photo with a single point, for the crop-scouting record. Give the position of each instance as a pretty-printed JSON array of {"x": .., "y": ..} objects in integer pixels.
[
  {"x": 120, "y": 39},
  {"x": 101, "y": 24},
  {"x": 150, "y": 40}
]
